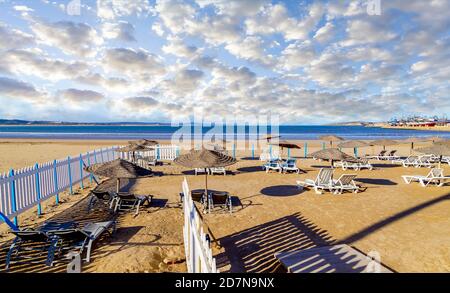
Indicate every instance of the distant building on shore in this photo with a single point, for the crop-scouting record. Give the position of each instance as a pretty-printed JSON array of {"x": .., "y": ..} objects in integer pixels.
[{"x": 419, "y": 121}]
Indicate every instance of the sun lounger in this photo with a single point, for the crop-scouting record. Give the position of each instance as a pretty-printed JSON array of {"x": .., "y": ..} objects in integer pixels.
[
  {"x": 218, "y": 170},
  {"x": 323, "y": 181},
  {"x": 362, "y": 164},
  {"x": 123, "y": 201},
  {"x": 408, "y": 162},
  {"x": 38, "y": 239},
  {"x": 222, "y": 199},
  {"x": 273, "y": 165},
  {"x": 435, "y": 176},
  {"x": 78, "y": 239},
  {"x": 380, "y": 156},
  {"x": 290, "y": 166},
  {"x": 423, "y": 161},
  {"x": 201, "y": 171},
  {"x": 345, "y": 183}
]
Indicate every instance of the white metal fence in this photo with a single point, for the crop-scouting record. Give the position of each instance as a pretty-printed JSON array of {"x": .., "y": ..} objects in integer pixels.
[
  {"x": 23, "y": 189},
  {"x": 198, "y": 251}
]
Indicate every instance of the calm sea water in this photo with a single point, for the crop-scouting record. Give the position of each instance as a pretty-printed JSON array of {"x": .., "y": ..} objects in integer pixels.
[{"x": 166, "y": 132}]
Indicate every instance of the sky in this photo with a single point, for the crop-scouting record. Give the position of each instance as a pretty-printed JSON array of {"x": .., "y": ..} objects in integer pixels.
[{"x": 308, "y": 62}]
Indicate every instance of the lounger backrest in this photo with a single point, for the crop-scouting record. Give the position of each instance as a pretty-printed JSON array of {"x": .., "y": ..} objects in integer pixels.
[
  {"x": 324, "y": 177},
  {"x": 382, "y": 153},
  {"x": 31, "y": 235},
  {"x": 392, "y": 152},
  {"x": 291, "y": 162},
  {"x": 347, "y": 179},
  {"x": 219, "y": 198},
  {"x": 411, "y": 159},
  {"x": 364, "y": 161},
  {"x": 436, "y": 172},
  {"x": 74, "y": 235},
  {"x": 197, "y": 195}
]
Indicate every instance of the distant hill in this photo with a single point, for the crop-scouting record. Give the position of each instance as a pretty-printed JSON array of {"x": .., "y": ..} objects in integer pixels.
[{"x": 26, "y": 122}]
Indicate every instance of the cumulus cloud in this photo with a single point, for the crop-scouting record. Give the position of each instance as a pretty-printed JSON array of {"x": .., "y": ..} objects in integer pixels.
[
  {"x": 80, "y": 96},
  {"x": 141, "y": 103},
  {"x": 135, "y": 63},
  {"x": 111, "y": 9},
  {"x": 11, "y": 38},
  {"x": 73, "y": 38},
  {"x": 121, "y": 30},
  {"x": 18, "y": 89},
  {"x": 177, "y": 47}
]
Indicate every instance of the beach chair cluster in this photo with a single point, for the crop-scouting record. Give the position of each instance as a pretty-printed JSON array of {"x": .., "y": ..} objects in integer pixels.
[
  {"x": 282, "y": 166},
  {"x": 52, "y": 239},
  {"x": 426, "y": 161},
  {"x": 434, "y": 177},
  {"x": 385, "y": 155},
  {"x": 359, "y": 165},
  {"x": 121, "y": 201},
  {"x": 211, "y": 171},
  {"x": 211, "y": 201},
  {"x": 325, "y": 182}
]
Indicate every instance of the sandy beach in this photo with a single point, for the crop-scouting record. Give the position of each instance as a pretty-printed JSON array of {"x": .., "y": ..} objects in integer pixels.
[{"x": 408, "y": 225}]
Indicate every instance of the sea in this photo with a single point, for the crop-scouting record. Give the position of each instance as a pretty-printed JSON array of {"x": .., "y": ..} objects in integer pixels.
[{"x": 128, "y": 132}]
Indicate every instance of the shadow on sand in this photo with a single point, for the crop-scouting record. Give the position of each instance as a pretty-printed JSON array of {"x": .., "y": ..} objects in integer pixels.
[{"x": 281, "y": 190}]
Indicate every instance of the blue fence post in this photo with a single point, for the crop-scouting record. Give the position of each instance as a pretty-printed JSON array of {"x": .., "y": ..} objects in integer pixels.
[
  {"x": 70, "y": 174},
  {"x": 270, "y": 151},
  {"x": 234, "y": 151},
  {"x": 253, "y": 151},
  {"x": 323, "y": 145},
  {"x": 95, "y": 157},
  {"x": 55, "y": 179},
  {"x": 107, "y": 154},
  {"x": 306, "y": 149},
  {"x": 289, "y": 153},
  {"x": 13, "y": 195},
  {"x": 89, "y": 164},
  {"x": 81, "y": 172},
  {"x": 356, "y": 152},
  {"x": 157, "y": 153},
  {"x": 38, "y": 189},
  {"x": 178, "y": 151}
]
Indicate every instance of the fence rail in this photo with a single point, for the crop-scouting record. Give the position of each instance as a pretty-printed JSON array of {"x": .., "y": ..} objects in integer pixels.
[
  {"x": 26, "y": 188},
  {"x": 198, "y": 252}
]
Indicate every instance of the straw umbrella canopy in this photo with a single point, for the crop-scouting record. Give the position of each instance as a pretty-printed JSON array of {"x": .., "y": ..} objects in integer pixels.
[
  {"x": 436, "y": 139},
  {"x": 205, "y": 159},
  {"x": 354, "y": 144},
  {"x": 333, "y": 155},
  {"x": 144, "y": 142},
  {"x": 413, "y": 140},
  {"x": 438, "y": 149},
  {"x": 286, "y": 144},
  {"x": 119, "y": 169},
  {"x": 269, "y": 137},
  {"x": 384, "y": 142},
  {"x": 331, "y": 138}
]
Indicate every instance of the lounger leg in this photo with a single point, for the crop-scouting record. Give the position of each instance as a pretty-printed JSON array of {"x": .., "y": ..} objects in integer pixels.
[
  {"x": 51, "y": 252},
  {"x": 88, "y": 252},
  {"x": 137, "y": 208},
  {"x": 15, "y": 247}
]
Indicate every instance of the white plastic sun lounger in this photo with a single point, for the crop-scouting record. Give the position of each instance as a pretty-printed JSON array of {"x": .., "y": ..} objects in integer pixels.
[
  {"x": 273, "y": 165},
  {"x": 200, "y": 171},
  {"x": 345, "y": 183},
  {"x": 408, "y": 162},
  {"x": 323, "y": 181},
  {"x": 218, "y": 170},
  {"x": 423, "y": 161},
  {"x": 290, "y": 165},
  {"x": 435, "y": 176},
  {"x": 363, "y": 164}
]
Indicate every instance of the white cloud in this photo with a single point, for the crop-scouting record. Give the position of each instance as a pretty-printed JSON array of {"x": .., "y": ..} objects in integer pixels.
[
  {"x": 251, "y": 48},
  {"x": 80, "y": 96},
  {"x": 177, "y": 47},
  {"x": 11, "y": 38},
  {"x": 121, "y": 30},
  {"x": 325, "y": 33},
  {"x": 72, "y": 38},
  {"x": 364, "y": 32},
  {"x": 18, "y": 89},
  {"x": 111, "y": 9}
]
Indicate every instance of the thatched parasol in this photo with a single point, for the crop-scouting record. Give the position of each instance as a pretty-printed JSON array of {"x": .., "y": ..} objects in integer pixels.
[
  {"x": 436, "y": 139},
  {"x": 205, "y": 159},
  {"x": 439, "y": 149},
  {"x": 144, "y": 142},
  {"x": 119, "y": 169},
  {"x": 333, "y": 155},
  {"x": 384, "y": 142},
  {"x": 331, "y": 138},
  {"x": 286, "y": 144},
  {"x": 269, "y": 137},
  {"x": 355, "y": 144}
]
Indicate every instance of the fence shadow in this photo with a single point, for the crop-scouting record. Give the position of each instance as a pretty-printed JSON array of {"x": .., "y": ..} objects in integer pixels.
[{"x": 253, "y": 250}]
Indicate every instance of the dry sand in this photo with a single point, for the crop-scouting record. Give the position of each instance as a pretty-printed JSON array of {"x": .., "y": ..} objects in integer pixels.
[{"x": 408, "y": 225}]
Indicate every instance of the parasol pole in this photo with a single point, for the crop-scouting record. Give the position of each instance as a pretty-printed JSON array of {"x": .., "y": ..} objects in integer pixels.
[{"x": 118, "y": 185}]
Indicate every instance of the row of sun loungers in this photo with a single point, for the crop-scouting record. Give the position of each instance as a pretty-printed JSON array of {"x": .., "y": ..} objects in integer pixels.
[
  {"x": 434, "y": 177},
  {"x": 290, "y": 165},
  {"x": 55, "y": 238},
  {"x": 324, "y": 181},
  {"x": 417, "y": 161},
  {"x": 361, "y": 164},
  {"x": 385, "y": 156},
  {"x": 122, "y": 201},
  {"x": 214, "y": 199},
  {"x": 211, "y": 171}
]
